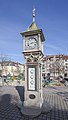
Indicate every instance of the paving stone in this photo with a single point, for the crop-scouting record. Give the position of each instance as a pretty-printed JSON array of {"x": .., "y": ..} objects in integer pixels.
[
  {"x": 48, "y": 118},
  {"x": 9, "y": 98}
]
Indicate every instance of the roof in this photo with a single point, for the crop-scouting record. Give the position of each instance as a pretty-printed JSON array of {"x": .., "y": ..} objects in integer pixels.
[
  {"x": 64, "y": 57},
  {"x": 32, "y": 27},
  {"x": 33, "y": 30},
  {"x": 56, "y": 56},
  {"x": 11, "y": 63}
]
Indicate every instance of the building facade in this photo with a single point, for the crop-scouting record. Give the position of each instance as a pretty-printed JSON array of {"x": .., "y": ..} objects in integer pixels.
[
  {"x": 10, "y": 67},
  {"x": 65, "y": 58},
  {"x": 55, "y": 65}
]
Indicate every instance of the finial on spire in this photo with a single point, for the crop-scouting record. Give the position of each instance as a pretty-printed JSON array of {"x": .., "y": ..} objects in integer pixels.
[{"x": 33, "y": 13}]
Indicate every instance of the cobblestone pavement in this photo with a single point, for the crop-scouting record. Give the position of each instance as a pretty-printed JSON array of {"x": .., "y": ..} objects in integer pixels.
[{"x": 57, "y": 97}]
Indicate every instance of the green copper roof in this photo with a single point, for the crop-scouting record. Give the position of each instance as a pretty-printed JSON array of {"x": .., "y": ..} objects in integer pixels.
[{"x": 32, "y": 27}]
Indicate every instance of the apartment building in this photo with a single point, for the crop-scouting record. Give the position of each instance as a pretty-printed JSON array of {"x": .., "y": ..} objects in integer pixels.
[
  {"x": 10, "y": 67},
  {"x": 55, "y": 65},
  {"x": 65, "y": 58}
]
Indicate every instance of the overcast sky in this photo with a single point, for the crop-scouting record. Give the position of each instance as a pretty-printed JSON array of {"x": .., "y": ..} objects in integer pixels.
[{"x": 16, "y": 16}]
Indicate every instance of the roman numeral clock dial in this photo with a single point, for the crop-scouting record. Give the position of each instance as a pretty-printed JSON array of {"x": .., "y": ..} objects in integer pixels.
[{"x": 31, "y": 43}]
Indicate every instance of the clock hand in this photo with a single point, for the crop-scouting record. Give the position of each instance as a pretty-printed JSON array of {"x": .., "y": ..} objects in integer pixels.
[{"x": 31, "y": 43}]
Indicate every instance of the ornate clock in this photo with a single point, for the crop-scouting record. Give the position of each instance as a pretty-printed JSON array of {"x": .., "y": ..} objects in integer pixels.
[{"x": 31, "y": 43}]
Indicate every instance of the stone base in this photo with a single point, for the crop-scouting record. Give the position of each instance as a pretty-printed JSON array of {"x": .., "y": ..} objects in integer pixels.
[
  {"x": 32, "y": 111},
  {"x": 46, "y": 108}
]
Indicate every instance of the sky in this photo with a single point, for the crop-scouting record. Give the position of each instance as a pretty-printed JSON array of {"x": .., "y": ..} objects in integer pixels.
[{"x": 16, "y": 16}]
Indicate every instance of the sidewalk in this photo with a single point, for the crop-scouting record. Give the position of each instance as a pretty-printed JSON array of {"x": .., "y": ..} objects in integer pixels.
[{"x": 57, "y": 97}]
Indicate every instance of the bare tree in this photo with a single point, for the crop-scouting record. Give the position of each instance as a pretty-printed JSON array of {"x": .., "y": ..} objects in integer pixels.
[
  {"x": 3, "y": 58},
  {"x": 18, "y": 69},
  {"x": 56, "y": 67}
]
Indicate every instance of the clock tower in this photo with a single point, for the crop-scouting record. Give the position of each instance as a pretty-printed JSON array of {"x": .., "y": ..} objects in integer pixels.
[{"x": 33, "y": 39}]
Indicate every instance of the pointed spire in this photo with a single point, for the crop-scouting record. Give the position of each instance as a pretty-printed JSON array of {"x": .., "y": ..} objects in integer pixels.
[
  {"x": 33, "y": 25},
  {"x": 33, "y": 14}
]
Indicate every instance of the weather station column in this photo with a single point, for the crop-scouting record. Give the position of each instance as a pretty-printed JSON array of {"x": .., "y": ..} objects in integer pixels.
[{"x": 33, "y": 38}]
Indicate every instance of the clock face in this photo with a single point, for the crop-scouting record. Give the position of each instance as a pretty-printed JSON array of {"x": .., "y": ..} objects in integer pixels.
[{"x": 31, "y": 43}]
